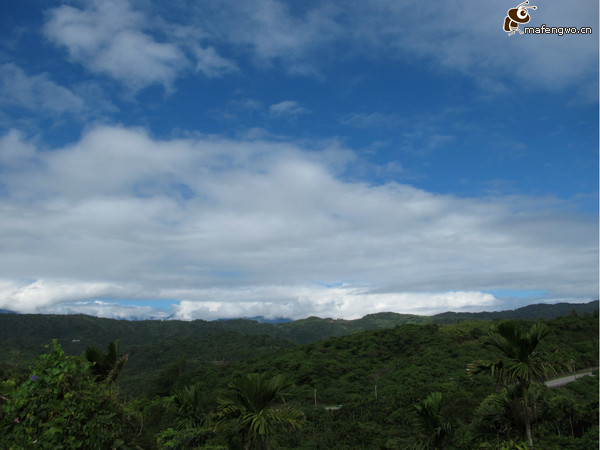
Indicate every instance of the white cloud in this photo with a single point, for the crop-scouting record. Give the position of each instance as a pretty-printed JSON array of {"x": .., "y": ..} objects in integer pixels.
[
  {"x": 36, "y": 93},
  {"x": 373, "y": 120},
  {"x": 112, "y": 38},
  {"x": 271, "y": 33},
  {"x": 235, "y": 227},
  {"x": 287, "y": 108},
  {"x": 419, "y": 133},
  {"x": 111, "y": 310},
  {"x": 14, "y": 151},
  {"x": 340, "y": 302},
  {"x": 211, "y": 64},
  {"x": 108, "y": 37},
  {"x": 33, "y": 296},
  {"x": 469, "y": 38},
  {"x": 453, "y": 35}
]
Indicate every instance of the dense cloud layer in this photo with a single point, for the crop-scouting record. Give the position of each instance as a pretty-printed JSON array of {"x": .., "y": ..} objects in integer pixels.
[
  {"x": 255, "y": 227},
  {"x": 295, "y": 158}
]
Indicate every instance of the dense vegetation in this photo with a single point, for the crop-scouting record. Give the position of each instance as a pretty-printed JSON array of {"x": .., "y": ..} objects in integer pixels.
[{"x": 392, "y": 386}]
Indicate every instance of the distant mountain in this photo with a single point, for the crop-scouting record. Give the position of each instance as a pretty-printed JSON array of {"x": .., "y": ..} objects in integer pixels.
[
  {"x": 530, "y": 312},
  {"x": 7, "y": 311},
  {"x": 262, "y": 319},
  {"x": 39, "y": 329},
  {"x": 172, "y": 344},
  {"x": 313, "y": 329}
]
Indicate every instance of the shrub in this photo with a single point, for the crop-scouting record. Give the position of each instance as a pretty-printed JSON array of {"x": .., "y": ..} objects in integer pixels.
[{"x": 60, "y": 406}]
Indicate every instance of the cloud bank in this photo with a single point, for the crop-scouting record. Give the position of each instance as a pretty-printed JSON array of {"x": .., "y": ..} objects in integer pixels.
[{"x": 229, "y": 228}]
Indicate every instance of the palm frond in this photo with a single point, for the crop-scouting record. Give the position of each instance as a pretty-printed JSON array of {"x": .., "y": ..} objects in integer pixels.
[{"x": 247, "y": 407}]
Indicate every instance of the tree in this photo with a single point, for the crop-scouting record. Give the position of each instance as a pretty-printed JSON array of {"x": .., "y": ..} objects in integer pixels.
[
  {"x": 518, "y": 367},
  {"x": 253, "y": 409},
  {"x": 432, "y": 426},
  {"x": 107, "y": 366},
  {"x": 190, "y": 404},
  {"x": 493, "y": 415},
  {"x": 59, "y": 405}
]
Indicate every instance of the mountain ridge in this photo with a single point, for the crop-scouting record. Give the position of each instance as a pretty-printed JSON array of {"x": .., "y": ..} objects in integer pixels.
[
  {"x": 533, "y": 310},
  {"x": 160, "y": 351},
  {"x": 95, "y": 330}
]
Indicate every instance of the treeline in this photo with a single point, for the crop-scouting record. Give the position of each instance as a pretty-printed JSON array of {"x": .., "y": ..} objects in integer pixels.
[
  {"x": 24, "y": 331},
  {"x": 401, "y": 387},
  {"x": 379, "y": 377},
  {"x": 23, "y": 336}
]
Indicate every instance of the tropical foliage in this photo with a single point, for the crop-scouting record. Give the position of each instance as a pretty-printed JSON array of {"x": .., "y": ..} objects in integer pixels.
[
  {"x": 434, "y": 429},
  {"x": 59, "y": 405},
  {"x": 106, "y": 366},
  {"x": 399, "y": 387},
  {"x": 253, "y": 410},
  {"x": 517, "y": 369}
]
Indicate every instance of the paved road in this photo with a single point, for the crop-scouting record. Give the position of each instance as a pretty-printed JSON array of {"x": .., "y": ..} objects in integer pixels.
[{"x": 566, "y": 380}]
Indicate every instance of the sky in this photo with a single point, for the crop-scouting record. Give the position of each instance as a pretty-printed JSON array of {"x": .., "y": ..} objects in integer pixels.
[{"x": 205, "y": 160}]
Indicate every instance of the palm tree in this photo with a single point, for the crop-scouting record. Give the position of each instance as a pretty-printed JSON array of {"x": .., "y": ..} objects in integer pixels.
[
  {"x": 255, "y": 409},
  {"x": 432, "y": 426},
  {"x": 189, "y": 403},
  {"x": 107, "y": 366},
  {"x": 519, "y": 365}
]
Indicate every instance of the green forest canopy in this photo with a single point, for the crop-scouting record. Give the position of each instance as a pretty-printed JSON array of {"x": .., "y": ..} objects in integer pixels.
[{"x": 380, "y": 376}]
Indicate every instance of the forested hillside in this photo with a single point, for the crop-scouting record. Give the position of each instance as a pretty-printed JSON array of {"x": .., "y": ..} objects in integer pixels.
[
  {"x": 391, "y": 387},
  {"x": 172, "y": 346},
  {"x": 25, "y": 334}
]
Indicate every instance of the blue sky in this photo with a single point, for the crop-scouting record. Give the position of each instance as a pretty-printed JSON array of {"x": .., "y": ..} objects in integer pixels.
[{"x": 287, "y": 159}]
